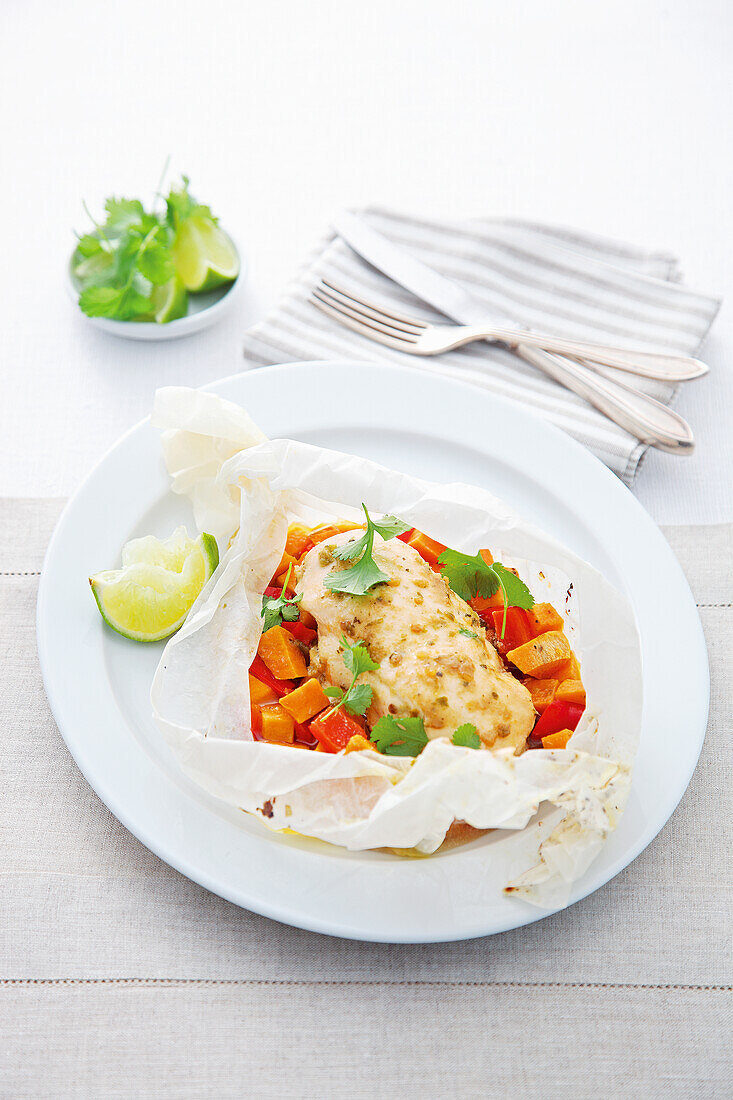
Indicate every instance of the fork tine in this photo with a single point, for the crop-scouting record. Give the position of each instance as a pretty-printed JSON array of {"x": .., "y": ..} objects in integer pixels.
[
  {"x": 359, "y": 326},
  {"x": 363, "y": 319},
  {"x": 369, "y": 309}
]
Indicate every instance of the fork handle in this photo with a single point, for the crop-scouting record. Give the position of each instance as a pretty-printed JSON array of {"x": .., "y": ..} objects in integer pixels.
[
  {"x": 647, "y": 364},
  {"x": 642, "y": 416}
]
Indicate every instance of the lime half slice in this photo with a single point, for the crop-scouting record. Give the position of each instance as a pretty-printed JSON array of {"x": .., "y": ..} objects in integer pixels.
[
  {"x": 149, "y": 598},
  {"x": 170, "y": 301},
  {"x": 204, "y": 255}
]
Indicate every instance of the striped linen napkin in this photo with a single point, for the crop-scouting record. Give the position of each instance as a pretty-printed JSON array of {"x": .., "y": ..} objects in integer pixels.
[{"x": 553, "y": 280}]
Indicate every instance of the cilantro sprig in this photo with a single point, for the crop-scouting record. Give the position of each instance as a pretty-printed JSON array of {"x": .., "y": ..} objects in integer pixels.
[
  {"x": 405, "y": 736},
  {"x": 469, "y": 576},
  {"x": 364, "y": 574},
  {"x": 358, "y": 697},
  {"x": 276, "y": 609}
]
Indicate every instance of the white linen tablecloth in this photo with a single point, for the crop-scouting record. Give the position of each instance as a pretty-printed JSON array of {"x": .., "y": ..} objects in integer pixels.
[{"x": 120, "y": 978}]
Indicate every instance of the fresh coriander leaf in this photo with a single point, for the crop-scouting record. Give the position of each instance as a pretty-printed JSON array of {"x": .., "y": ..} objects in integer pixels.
[
  {"x": 389, "y": 526},
  {"x": 134, "y": 301},
  {"x": 181, "y": 205},
  {"x": 358, "y": 698},
  {"x": 467, "y": 633},
  {"x": 291, "y": 610},
  {"x": 356, "y": 657},
  {"x": 516, "y": 593},
  {"x": 352, "y": 550},
  {"x": 468, "y": 574},
  {"x": 270, "y": 615},
  {"x": 357, "y": 580},
  {"x": 122, "y": 214},
  {"x": 156, "y": 263},
  {"x": 100, "y": 301},
  {"x": 333, "y": 692},
  {"x": 399, "y": 736},
  {"x": 467, "y": 737},
  {"x": 88, "y": 245}
]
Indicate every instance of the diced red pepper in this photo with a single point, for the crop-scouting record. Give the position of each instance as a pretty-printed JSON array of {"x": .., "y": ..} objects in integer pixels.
[
  {"x": 304, "y": 736},
  {"x": 517, "y": 631},
  {"x": 301, "y": 632},
  {"x": 261, "y": 672},
  {"x": 273, "y": 592},
  {"x": 334, "y": 729},
  {"x": 558, "y": 716},
  {"x": 406, "y": 535}
]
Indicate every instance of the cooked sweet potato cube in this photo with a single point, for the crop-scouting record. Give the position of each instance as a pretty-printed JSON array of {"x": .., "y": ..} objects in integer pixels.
[
  {"x": 543, "y": 617},
  {"x": 277, "y": 724},
  {"x": 428, "y": 549},
  {"x": 297, "y": 540},
  {"x": 320, "y": 534},
  {"x": 281, "y": 654},
  {"x": 557, "y": 740},
  {"x": 570, "y": 670},
  {"x": 306, "y": 701},
  {"x": 486, "y": 603},
  {"x": 358, "y": 743},
  {"x": 543, "y": 656},
  {"x": 281, "y": 570},
  {"x": 542, "y": 692},
  {"x": 259, "y": 692},
  {"x": 571, "y": 691}
]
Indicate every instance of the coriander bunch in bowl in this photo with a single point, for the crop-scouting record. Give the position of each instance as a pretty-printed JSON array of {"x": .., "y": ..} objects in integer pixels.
[{"x": 142, "y": 265}]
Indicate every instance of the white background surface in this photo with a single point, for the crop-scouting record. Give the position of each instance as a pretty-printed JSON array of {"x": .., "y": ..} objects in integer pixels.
[{"x": 611, "y": 118}]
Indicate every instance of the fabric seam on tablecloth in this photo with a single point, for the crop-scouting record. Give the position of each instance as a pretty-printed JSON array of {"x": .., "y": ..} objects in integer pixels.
[{"x": 362, "y": 982}]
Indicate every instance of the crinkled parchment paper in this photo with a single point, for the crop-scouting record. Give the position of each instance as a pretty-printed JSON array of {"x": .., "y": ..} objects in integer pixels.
[{"x": 245, "y": 490}]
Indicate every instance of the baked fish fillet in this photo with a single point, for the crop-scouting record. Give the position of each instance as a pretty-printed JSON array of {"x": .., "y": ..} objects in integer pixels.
[{"x": 412, "y": 627}]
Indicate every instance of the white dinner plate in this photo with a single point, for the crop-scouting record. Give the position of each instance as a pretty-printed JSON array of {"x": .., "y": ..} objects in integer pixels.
[{"x": 98, "y": 683}]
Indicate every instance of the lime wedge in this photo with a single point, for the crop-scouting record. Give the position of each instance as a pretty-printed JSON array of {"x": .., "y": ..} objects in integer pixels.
[
  {"x": 170, "y": 301},
  {"x": 204, "y": 255},
  {"x": 149, "y": 598}
]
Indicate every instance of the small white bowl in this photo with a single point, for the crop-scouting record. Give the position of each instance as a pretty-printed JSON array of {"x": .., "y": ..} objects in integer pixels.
[{"x": 203, "y": 310}]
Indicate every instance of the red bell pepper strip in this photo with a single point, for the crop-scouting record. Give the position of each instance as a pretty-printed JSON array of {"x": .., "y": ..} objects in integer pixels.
[
  {"x": 261, "y": 672},
  {"x": 334, "y": 729},
  {"x": 518, "y": 630},
  {"x": 558, "y": 716},
  {"x": 301, "y": 632},
  {"x": 406, "y": 535}
]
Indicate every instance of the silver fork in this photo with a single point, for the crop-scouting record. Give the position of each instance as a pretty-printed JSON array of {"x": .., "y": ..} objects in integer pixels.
[
  {"x": 642, "y": 416},
  {"x": 429, "y": 339}
]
